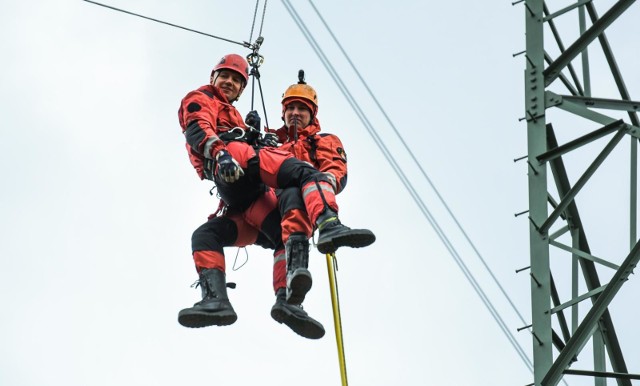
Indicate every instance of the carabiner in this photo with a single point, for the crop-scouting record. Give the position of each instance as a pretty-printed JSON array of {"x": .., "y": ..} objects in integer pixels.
[
  {"x": 255, "y": 59},
  {"x": 240, "y": 129}
]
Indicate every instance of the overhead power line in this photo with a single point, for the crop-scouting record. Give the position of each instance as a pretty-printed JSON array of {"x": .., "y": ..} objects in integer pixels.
[
  {"x": 405, "y": 180},
  {"x": 413, "y": 157}
]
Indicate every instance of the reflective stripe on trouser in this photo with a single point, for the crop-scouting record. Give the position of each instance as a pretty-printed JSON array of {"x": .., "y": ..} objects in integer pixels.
[
  {"x": 279, "y": 270},
  {"x": 296, "y": 173},
  {"x": 316, "y": 195}
]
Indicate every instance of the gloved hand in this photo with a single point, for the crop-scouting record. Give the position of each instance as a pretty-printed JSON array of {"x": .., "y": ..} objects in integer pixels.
[
  {"x": 228, "y": 168},
  {"x": 252, "y": 136},
  {"x": 269, "y": 140},
  {"x": 253, "y": 119}
]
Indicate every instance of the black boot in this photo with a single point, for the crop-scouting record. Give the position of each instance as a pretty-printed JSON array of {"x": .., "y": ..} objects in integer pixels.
[
  {"x": 214, "y": 309},
  {"x": 333, "y": 235},
  {"x": 298, "y": 276},
  {"x": 295, "y": 318}
]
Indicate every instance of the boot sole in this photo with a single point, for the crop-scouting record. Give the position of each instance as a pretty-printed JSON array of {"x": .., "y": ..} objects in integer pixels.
[
  {"x": 353, "y": 240},
  {"x": 205, "y": 319},
  {"x": 303, "y": 327},
  {"x": 298, "y": 286}
]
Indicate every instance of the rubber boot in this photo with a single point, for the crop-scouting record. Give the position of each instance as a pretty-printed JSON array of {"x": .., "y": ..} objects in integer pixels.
[
  {"x": 299, "y": 279},
  {"x": 295, "y": 318},
  {"x": 333, "y": 235},
  {"x": 214, "y": 309}
]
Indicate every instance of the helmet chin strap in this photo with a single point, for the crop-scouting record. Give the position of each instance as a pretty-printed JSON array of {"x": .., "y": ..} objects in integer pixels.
[{"x": 240, "y": 92}]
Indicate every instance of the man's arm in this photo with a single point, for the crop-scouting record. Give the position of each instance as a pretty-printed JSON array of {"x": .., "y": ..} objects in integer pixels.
[
  {"x": 198, "y": 116},
  {"x": 331, "y": 158}
]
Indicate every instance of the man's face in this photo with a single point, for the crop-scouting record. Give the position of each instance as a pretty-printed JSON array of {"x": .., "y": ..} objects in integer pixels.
[
  {"x": 297, "y": 114},
  {"x": 229, "y": 82}
]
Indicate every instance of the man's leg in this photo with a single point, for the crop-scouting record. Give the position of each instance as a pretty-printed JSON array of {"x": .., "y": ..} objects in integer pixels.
[
  {"x": 320, "y": 203},
  {"x": 279, "y": 169},
  {"x": 208, "y": 242},
  {"x": 296, "y": 232},
  {"x": 264, "y": 215}
]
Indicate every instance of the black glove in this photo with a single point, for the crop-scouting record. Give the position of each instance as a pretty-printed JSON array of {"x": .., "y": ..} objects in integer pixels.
[
  {"x": 252, "y": 136},
  {"x": 228, "y": 168},
  {"x": 268, "y": 140},
  {"x": 253, "y": 119}
]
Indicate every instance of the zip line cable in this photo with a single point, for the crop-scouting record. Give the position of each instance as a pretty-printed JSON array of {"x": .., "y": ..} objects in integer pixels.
[
  {"x": 255, "y": 13},
  {"x": 254, "y": 59},
  {"x": 264, "y": 11},
  {"x": 413, "y": 157},
  {"x": 244, "y": 44},
  {"x": 253, "y": 24},
  {"x": 427, "y": 214}
]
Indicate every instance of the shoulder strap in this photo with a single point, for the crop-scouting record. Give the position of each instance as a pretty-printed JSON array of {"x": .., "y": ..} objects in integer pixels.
[
  {"x": 208, "y": 93},
  {"x": 314, "y": 147}
]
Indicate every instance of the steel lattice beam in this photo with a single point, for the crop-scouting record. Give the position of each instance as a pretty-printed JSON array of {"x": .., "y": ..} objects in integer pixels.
[{"x": 544, "y": 152}]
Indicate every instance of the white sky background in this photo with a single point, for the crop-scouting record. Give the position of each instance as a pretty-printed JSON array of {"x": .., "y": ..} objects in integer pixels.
[{"x": 99, "y": 199}]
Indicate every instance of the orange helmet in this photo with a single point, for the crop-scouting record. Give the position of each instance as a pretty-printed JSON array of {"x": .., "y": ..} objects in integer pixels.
[
  {"x": 234, "y": 62},
  {"x": 301, "y": 92}
]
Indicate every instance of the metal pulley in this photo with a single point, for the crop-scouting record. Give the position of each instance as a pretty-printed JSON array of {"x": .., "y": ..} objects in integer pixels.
[{"x": 254, "y": 59}]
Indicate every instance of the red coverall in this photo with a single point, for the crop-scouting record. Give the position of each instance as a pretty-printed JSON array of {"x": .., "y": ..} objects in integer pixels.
[
  {"x": 326, "y": 153},
  {"x": 204, "y": 116}
]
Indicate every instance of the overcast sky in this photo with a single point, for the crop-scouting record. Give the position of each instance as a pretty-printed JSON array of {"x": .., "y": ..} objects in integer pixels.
[{"x": 99, "y": 200}]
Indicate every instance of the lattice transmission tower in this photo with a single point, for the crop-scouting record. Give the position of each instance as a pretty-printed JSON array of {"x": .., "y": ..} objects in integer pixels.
[{"x": 579, "y": 146}]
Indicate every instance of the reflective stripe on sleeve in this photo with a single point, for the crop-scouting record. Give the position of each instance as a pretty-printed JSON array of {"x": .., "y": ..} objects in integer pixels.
[{"x": 208, "y": 145}]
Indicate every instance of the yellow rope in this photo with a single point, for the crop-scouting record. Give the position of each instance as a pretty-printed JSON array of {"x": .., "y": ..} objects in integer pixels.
[{"x": 331, "y": 267}]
